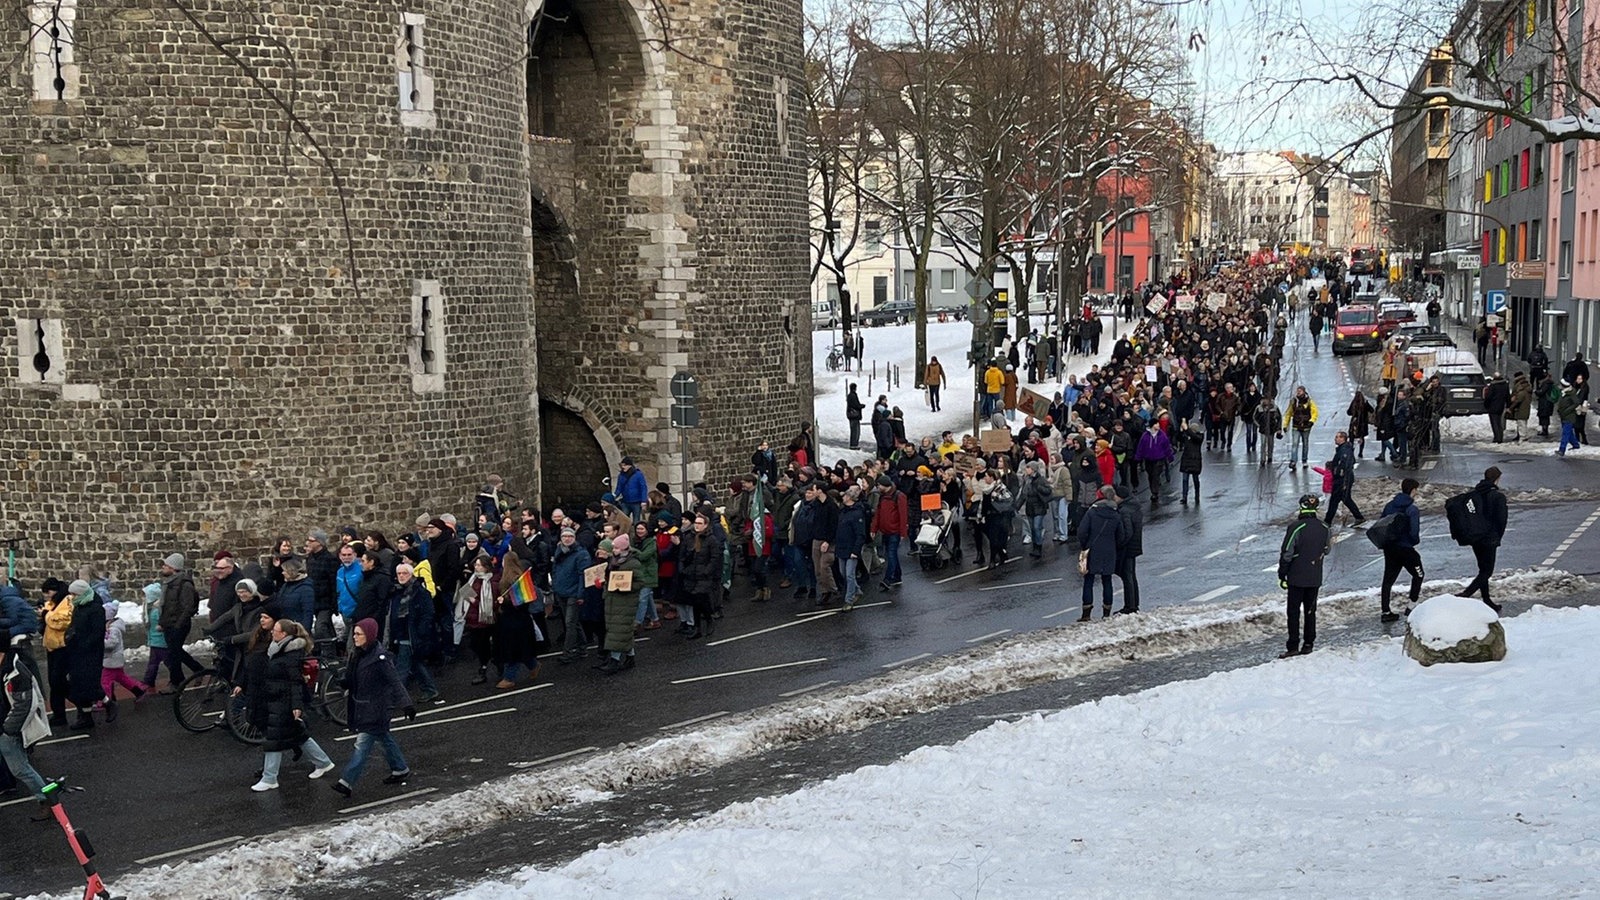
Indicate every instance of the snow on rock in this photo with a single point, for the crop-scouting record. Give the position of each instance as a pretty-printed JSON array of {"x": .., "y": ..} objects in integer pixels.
[
  {"x": 269, "y": 867},
  {"x": 1349, "y": 773},
  {"x": 1448, "y": 628}
]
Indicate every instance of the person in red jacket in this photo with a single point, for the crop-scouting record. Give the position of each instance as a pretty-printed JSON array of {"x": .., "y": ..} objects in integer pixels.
[
  {"x": 892, "y": 521},
  {"x": 1106, "y": 460}
]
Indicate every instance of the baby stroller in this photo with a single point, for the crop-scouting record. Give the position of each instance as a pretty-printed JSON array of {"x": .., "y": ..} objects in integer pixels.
[{"x": 934, "y": 548}]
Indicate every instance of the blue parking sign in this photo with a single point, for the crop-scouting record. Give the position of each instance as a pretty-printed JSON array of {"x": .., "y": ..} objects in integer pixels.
[{"x": 1494, "y": 301}]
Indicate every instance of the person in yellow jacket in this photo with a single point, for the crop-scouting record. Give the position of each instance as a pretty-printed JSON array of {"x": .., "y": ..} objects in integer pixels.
[
  {"x": 1391, "y": 368},
  {"x": 994, "y": 381},
  {"x": 57, "y": 619},
  {"x": 1298, "y": 417}
]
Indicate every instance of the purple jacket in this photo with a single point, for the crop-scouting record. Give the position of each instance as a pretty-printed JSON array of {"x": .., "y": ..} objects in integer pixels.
[{"x": 1153, "y": 444}]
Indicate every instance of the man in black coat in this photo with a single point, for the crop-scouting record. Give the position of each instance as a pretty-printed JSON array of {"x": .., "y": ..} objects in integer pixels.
[
  {"x": 1300, "y": 573},
  {"x": 1343, "y": 467},
  {"x": 322, "y": 568},
  {"x": 1491, "y": 504},
  {"x": 444, "y": 558},
  {"x": 179, "y": 602},
  {"x": 1131, "y": 548}
]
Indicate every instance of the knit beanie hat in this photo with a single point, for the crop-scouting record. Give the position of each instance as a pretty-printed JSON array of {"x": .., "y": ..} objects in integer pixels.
[
  {"x": 606, "y": 545},
  {"x": 369, "y": 628},
  {"x": 620, "y": 543},
  {"x": 78, "y": 587},
  {"x": 152, "y": 592},
  {"x": 247, "y": 584},
  {"x": 175, "y": 560}
]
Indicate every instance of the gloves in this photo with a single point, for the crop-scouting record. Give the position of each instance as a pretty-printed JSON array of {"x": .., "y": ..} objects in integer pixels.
[
  {"x": 1283, "y": 583},
  {"x": 411, "y": 713}
]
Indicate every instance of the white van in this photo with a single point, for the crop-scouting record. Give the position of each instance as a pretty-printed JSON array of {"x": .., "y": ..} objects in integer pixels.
[{"x": 824, "y": 314}]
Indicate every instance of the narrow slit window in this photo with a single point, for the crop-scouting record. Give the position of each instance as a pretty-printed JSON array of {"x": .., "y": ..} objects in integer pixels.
[
  {"x": 426, "y": 341},
  {"x": 40, "y": 355},
  {"x": 414, "y": 79},
  {"x": 52, "y": 27}
]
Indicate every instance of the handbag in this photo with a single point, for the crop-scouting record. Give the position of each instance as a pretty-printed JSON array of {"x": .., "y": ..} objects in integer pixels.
[{"x": 1083, "y": 562}]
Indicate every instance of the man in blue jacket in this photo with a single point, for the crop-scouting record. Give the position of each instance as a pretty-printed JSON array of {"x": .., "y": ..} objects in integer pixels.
[
  {"x": 1400, "y": 552},
  {"x": 17, "y": 616},
  {"x": 632, "y": 490},
  {"x": 566, "y": 579}
]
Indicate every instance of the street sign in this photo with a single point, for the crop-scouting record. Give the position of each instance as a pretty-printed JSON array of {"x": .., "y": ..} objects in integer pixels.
[
  {"x": 1494, "y": 301},
  {"x": 685, "y": 388},
  {"x": 979, "y": 288},
  {"x": 1525, "y": 270},
  {"x": 685, "y": 415}
]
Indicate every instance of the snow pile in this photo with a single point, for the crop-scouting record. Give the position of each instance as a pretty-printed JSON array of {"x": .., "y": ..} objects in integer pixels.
[
  {"x": 268, "y": 867},
  {"x": 1474, "y": 431},
  {"x": 1350, "y": 773},
  {"x": 1447, "y": 620}
]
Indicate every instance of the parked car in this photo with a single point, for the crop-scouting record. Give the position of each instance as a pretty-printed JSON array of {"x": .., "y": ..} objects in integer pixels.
[
  {"x": 1463, "y": 389},
  {"x": 1356, "y": 330},
  {"x": 1394, "y": 313},
  {"x": 1419, "y": 336},
  {"x": 1410, "y": 331},
  {"x": 824, "y": 314},
  {"x": 897, "y": 312}
]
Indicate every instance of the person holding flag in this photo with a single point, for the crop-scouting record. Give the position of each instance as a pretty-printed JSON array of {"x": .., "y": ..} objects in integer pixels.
[{"x": 517, "y": 635}]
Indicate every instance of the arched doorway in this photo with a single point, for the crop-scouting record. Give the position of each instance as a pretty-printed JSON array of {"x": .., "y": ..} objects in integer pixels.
[{"x": 577, "y": 455}]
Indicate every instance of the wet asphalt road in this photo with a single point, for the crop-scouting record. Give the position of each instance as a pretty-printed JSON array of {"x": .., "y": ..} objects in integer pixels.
[{"x": 151, "y": 790}]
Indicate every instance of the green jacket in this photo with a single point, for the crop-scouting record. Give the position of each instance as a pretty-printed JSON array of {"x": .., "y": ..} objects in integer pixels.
[
  {"x": 1567, "y": 407},
  {"x": 783, "y": 511},
  {"x": 649, "y": 568},
  {"x": 622, "y": 606}
]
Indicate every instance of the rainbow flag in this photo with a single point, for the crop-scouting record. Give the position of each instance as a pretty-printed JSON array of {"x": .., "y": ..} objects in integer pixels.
[{"x": 522, "y": 593}]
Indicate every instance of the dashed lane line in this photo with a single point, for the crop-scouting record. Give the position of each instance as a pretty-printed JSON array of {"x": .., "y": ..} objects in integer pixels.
[
  {"x": 787, "y": 665},
  {"x": 806, "y": 690},
  {"x": 984, "y": 637},
  {"x": 761, "y": 631},
  {"x": 694, "y": 721},
  {"x": 1215, "y": 593},
  {"x": 492, "y": 712},
  {"x": 188, "y": 850},
  {"x": 1172, "y": 571},
  {"x": 1571, "y": 539},
  {"x": 489, "y": 699},
  {"x": 1216, "y": 553},
  {"x": 996, "y": 587},
  {"x": 385, "y": 802},
  {"x": 910, "y": 659},
  {"x": 550, "y": 759},
  {"x": 976, "y": 571}
]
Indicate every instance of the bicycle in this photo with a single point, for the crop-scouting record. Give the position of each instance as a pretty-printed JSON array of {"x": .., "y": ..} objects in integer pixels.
[
  {"x": 835, "y": 358},
  {"x": 205, "y": 700},
  {"x": 328, "y": 697}
]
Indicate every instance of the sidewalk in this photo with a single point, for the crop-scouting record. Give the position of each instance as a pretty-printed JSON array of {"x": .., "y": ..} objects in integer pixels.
[{"x": 1508, "y": 363}]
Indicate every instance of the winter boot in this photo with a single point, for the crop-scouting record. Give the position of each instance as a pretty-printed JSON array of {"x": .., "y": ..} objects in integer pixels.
[
  {"x": 1105, "y": 611},
  {"x": 483, "y": 675},
  {"x": 1088, "y": 608},
  {"x": 85, "y": 721},
  {"x": 111, "y": 710}
]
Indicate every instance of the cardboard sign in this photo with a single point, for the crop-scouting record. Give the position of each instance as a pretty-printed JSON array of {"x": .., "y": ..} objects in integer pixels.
[
  {"x": 931, "y": 502},
  {"x": 966, "y": 463},
  {"x": 621, "y": 580},
  {"x": 594, "y": 575},
  {"x": 1156, "y": 305},
  {"x": 1032, "y": 403},
  {"x": 1185, "y": 302},
  {"x": 1149, "y": 374},
  {"x": 1216, "y": 301},
  {"x": 995, "y": 440}
]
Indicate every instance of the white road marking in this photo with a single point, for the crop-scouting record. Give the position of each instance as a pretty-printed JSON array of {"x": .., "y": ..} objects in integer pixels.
[
  {"x": 984, "y": 637},
  {"x": 996, "y": 587},
  {"x": 909, "y": 659},
  {"x": 1061, "y": 612},
  {"x": 705, "y": 718},
  {"x": 740, "y": 637},
  {"x": 975, "y": 571},
  {"x": 1571, "y": 539},
  {"x": 395, "y": 799},
  {"x": 1248, "y": 538},
  {"x": 1214, "y": 594},
  {"x": 21, "y": 800},
  {"x": 187, "y": 850},
  {"x": 1342, "y": 536},
  {"x": 550, "y": 759},
  {"x": 498, "y": 695},
  {"x": 1429, "y": 464},
  {"x": 1216, "y": 553},
  {"x": 492, "y": 712},
  {"x": 1270, "y": 569},
  {"x": 63, "y": 740},
  {"x": 818, "y": 614},
  {"x": 787, "y": 665},
  {"x": 1172, "y": 571},
  {"x": 806, "y": 690}
]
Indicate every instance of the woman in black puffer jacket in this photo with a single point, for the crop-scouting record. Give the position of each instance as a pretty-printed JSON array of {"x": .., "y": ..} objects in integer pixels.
[{"x": 275, "y": 685}]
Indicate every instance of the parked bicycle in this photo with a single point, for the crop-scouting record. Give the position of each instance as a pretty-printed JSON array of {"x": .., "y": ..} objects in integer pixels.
[{"x": 836, "y": 358}]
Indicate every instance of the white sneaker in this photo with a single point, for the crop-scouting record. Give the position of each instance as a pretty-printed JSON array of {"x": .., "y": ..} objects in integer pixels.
[
  {"x": 319, "y": 772},
  {"x": 263, "y": 786}
]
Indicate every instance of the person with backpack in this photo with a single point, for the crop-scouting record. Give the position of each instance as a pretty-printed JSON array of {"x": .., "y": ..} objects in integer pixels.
[
  {"x": 1343, "y": 469},
  {"x": 1400, "y": 546},
  {"x": 1546, "y": 392},
  {"x": 1305, "y": 544},
  {"x": 22, "y": 711},
  {"x": 1478, "y": 520}
]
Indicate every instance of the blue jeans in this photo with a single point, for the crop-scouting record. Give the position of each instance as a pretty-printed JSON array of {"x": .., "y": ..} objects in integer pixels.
[
  {"x": 17, "y": 761},
  {"x": 408, "y": 665},
  {"x": 791, "y": 564},
  {"x": 1063, "y": 514},
  {"x": 358, "y": 761},
  {"x": 1036, "y": 528},
  {"x": 851, "y": 588},
  {"x": 647, "y": 606},
  {"x": 274, "y": 759},
  {"x": 1569, "y": 435},
  {"x": 891, "y": 559},
  {"x": 572, "y": 642},
  {"x": 804, "y": 576},
  {"x": 1301, "y": 439}
]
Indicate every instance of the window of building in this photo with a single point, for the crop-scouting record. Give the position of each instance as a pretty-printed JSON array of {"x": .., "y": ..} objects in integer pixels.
[
  {"x": 874, "y": 236},
  {"x": 880, "y": 290},
  {"x": 1505, "y": 177},
  {"x": 52, "y": 27},
  {"x": 1531, "y": 17},
  {"x": 1436, "y": 126},
  {"x": 426, "y": 347},
  {"x": 1538, "y": 164},
  {"x": 1522, "y": 170},
  {"x": 1594, "y": 229},
  {"x": 1097, "y": 272},
  {"x": 1583, "y": 226},
  {"x": 1500, "y": 252},
  {"x": 1483, "y": 256},
  {"x": 1569, "y": 170},
  {"x": 41, "y": 358},
  {"x": 870, "y": 181},
  {"x": 414, "y": 78},
  {"x": 1439, "y": 73},
  {"x": 1566, "y": 259},
  {"x": 1536, "y": 239},
  {"x": 947, "y": 279},
  {"x": 1488, "y": 186},
  {"x": 1522, "y": 241}
]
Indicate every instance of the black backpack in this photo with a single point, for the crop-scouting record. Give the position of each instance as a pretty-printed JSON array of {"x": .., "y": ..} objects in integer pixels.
[
  {"x": 1469, "y": 521},
  {"x": 1383, "y": 532}
]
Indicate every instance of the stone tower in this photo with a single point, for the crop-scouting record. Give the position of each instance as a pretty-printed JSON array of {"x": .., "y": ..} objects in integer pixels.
[
  {"x": 669, "y": 232},
  {"x": 274, "y": 267}
]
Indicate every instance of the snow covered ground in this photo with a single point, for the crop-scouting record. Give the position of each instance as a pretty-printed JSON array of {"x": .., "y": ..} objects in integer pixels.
[
  {"x": 268, "y": 867},
  {"x": 895, "y": 345},
  {"x": 1474, "y": 431},
  {"x": 1354, "y": 773}
]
